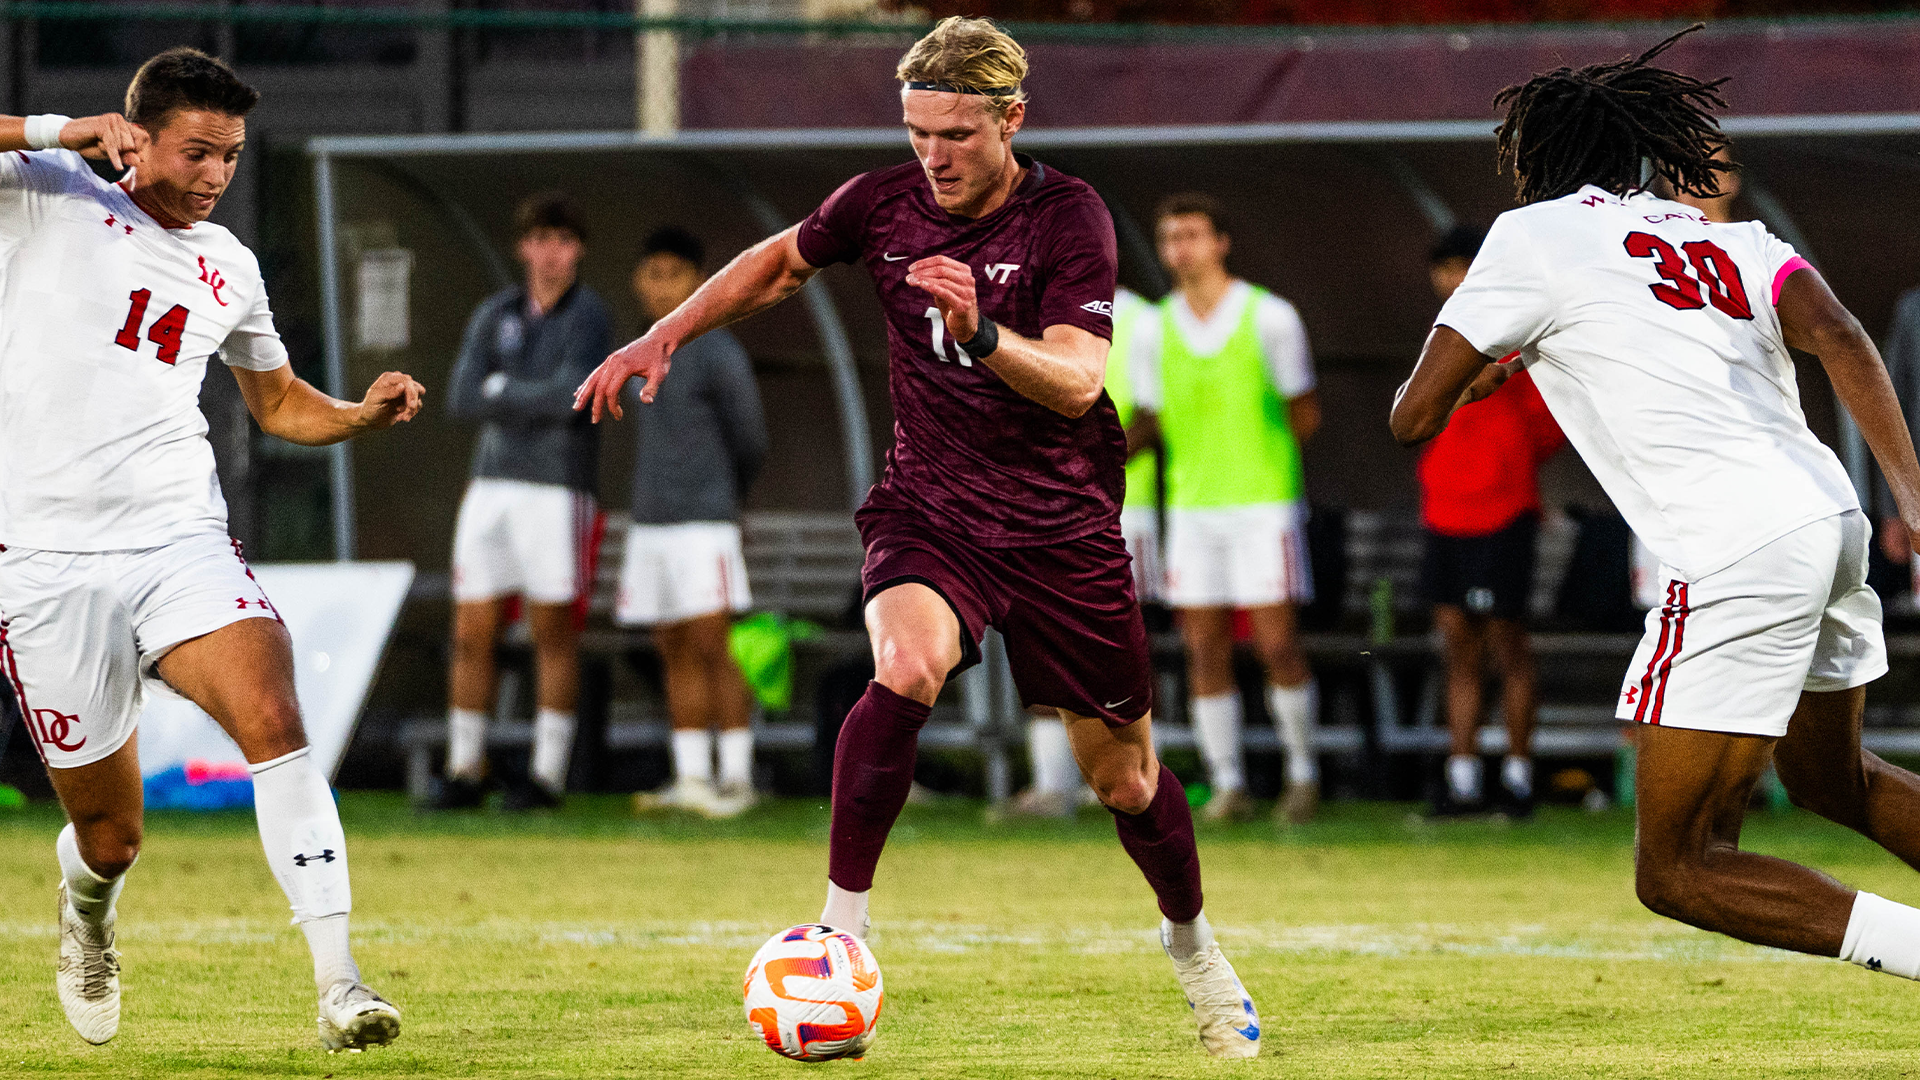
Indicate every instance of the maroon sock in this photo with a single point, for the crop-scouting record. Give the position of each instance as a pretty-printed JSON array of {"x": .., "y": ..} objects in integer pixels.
[
  {"x": 872, "y": 772},
  {"x": 1160, "y": 839}
]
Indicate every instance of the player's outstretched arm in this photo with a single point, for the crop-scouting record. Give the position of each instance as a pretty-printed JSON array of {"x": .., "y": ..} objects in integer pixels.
[
  {"x": 756, "y": 279},
  {"x": 1813, "y": 320},
  {"x": 294, "y": 410},
  {"x": 1451, "y": 373},
  {"x": 1065, "y": 370},
  {"x": 108, "y": 137}
]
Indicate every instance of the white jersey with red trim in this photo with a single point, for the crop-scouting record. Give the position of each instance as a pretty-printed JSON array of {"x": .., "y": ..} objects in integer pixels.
[
  {"x": 1653, "y": 337},
  {"x": 107, "y": 321}
]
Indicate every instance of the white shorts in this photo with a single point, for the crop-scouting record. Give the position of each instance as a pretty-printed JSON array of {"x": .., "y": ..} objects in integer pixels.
[
  {"x": 80, "y": 632},
  {"x": 1140, "y": 527},
  {"x": 1734, "y": 650},
  {"x": 515, "y": 537},
  {"x": 673, "y": 573},
  {"x": 1238, "y": 556}
]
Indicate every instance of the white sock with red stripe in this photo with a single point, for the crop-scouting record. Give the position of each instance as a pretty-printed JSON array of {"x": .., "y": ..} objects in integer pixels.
[
  {"x": 1216, "y": 727},
  {"x": 466, "y": 742},
  {"x": 552, "y": 748},
  {"x": 1294, "y": 709},
  {"x": 1883, "y": 936}
]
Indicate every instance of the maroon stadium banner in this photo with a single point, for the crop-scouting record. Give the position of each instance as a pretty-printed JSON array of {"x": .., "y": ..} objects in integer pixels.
[{"x": 1268, "y": 77}]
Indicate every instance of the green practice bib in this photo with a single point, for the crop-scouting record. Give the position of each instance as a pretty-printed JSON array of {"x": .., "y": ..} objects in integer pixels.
[
  {"x": 1227, "y": 433},
  {"x": 1142, "y": 477}
]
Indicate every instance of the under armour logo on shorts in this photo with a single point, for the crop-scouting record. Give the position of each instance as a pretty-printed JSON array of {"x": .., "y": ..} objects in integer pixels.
[{"x": 326, "y": 855}]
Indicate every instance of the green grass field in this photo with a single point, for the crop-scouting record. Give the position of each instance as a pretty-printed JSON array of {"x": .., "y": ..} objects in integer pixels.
[{"x": 587, "y": 944}]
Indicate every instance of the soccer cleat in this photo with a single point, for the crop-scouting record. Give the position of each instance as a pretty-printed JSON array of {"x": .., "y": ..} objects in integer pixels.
[
  {"x": 530, "y": 795},
  {"x": 353, "y": 1017},
  {"x": 1298, "y": 803},
  {"x": 1233, "y": 804},
  {"x": 691, "y": 795},
  {"x": 88, "y": 975},
  {"x": 731, "y": 800},
  {"x": 1229, "y": 1026},
  {"x": 1033, "y": 803},
  {"x": 459, "y": 793}
]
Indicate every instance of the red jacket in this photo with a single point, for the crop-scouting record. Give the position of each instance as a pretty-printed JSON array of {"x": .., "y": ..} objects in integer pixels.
[{"x": 1481, "y": 473}]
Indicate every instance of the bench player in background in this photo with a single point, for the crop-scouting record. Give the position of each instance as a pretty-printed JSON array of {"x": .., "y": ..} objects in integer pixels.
[
  {"x": 527, "y": 523},
  {"x": 1223, "y": 379},
  {"x": 685, "y": 574},
  {"x": 1659, "y": 340},
  {"x": 1001, "y": 500},
  {"x": 116, "y": 572}
]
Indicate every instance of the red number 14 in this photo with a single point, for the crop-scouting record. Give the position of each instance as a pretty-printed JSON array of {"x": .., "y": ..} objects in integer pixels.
[{"x": 166, "y": 331}]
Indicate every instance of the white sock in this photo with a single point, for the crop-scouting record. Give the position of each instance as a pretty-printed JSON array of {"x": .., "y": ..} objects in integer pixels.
[
  {"x": 90, "y": 895},
  {"x": 307, "y": 852},
  {"x": 1883, "y": 936},
  {"x": 466, "y": 742},
  {"x": 1294, "y": 710},
  {"x": 1054, "y": 770},
  {"x": 693, "y": 755},
  {"x": 1184, "y": 941},
  {"x": 1463, "y": 777},
  {"x": 736, "y": 755},
  {"x": 1517, "y": 774},
  {"x": 845, "y": 910},
  {"x": 552, "y": 748},
  {"x": 1216, "y": 727}
]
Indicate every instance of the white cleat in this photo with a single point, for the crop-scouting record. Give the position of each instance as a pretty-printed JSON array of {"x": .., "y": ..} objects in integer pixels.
[
  {"x": 1229, "y": 1026},
  {"x": 88, "y": 975},
  {"x": 730, "y": 801},
  {"x": 686, "y": 794},
  {"x": 353, "y": 1017}
]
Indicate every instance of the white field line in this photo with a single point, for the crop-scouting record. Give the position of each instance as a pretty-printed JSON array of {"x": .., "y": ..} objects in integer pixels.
[{"x": 1669, "y": 942}]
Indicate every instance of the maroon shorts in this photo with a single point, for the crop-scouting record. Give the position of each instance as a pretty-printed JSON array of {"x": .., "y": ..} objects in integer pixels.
[{"x": 1074, "y": 636}]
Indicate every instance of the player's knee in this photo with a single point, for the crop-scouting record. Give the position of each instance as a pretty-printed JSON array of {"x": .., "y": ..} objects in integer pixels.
[
  {"x": 1669, "y": 889},
  {"x": 109, "y": 845},
  {"x": 1129, "y": 792},
  {"x": 273, "y": 729},
  {"x": 911, "y": 673}
]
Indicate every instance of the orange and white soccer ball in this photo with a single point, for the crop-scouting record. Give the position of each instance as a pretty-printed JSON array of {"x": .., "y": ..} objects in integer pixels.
[{"x": 813, "y": 993}]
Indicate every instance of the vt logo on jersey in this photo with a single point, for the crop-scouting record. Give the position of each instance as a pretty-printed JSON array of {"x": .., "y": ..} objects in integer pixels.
[{"x": 1001, "y": 273}]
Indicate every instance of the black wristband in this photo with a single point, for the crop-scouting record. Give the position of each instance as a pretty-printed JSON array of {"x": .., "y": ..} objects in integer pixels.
[{"x": 984, "y": 340}]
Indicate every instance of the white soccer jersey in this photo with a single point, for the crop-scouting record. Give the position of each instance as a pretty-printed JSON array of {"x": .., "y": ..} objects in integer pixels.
[
  {"x": 107, "y": 321},
  {"x": 1652, "y": 335}
]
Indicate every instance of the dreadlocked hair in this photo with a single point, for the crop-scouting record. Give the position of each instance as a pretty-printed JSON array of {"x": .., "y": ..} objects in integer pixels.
[{"x": 1605, "y": 124}]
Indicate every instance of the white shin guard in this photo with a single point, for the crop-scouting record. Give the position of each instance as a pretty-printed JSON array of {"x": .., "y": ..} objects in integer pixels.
[{"x": 300, "y": 829}]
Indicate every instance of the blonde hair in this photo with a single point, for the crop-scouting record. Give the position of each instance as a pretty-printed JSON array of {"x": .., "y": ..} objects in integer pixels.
[{"x": 973, "y": 55}]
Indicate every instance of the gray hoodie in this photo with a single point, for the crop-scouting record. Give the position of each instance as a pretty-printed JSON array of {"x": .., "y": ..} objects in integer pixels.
[{"x": 703, "y": 439}]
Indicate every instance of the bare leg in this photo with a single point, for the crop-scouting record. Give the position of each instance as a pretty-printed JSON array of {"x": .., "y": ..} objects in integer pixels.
[
  {"x": 1215, "y": 709},
  {"x": 104, "y": 801},
  {"x": 1294, "y": 703},
  {"x": 1692, "y": 789},
  {"x": 1208, "y": 633},
  {"x": 471, "y": 679},
  {"x": 1513, "y": 656},
  {"x": 1276, "y": 638},
  {"x": 1464, "y": 643},
  {"x": 1825, "y": 770}
]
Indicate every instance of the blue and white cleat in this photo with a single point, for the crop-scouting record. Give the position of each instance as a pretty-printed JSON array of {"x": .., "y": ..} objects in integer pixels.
[{"x": 1229, "y": 1025}]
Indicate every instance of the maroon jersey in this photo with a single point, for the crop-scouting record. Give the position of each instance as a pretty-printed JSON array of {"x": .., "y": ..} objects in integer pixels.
[{"x": 970, "y": 453}]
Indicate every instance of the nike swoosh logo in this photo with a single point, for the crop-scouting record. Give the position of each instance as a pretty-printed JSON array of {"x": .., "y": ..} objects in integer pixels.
[
  {"x": 1117, "y": 704},
  {"x": 892, "y": 258}
]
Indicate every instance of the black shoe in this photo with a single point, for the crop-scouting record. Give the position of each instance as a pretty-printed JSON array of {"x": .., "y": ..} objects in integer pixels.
[
  {"x": 1446, "y": 807},
  {"x": 1514, "y": 807},
  {"x": 459, "y": 793},
  {"x": 530, "y": 795}
]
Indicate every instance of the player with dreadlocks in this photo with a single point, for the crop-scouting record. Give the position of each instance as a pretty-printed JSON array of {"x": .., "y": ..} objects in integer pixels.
[{"x": 1659, "y": 341}]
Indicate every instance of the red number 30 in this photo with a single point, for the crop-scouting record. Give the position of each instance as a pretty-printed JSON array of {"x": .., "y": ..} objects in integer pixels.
[
  {"x": 1714, "y": 274},
  {"x": 166, "y": 331}
]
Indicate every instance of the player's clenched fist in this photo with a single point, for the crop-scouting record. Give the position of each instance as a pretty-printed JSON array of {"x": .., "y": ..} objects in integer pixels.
[
  {"x": 646, "y": 357},
  {"x": 393, "y": 398},
  {"x": 109, "y": 136},
  {"x": 950, "y": 282}
]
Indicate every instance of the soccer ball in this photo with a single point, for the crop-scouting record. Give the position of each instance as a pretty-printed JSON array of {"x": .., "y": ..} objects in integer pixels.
[{"x": 813, "y": 993}]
